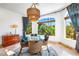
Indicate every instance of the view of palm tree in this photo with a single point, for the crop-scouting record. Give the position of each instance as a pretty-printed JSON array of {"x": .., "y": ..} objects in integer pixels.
[
  {"x": 70, "y": 32},
  {"x": 44, "y": 29},
  {"x": 29, "y": 28},
  {"x": 47, "y": 26}
]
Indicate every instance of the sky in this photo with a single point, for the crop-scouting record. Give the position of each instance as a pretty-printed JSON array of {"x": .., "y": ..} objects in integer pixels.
[
  {"x": 47, "y": 19},
  {"x": 68, "y": 21}
]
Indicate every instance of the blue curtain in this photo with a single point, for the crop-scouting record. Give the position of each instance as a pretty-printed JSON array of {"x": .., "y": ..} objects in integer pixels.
[
  {"x": 25, "y": 23},
  {"x": 73, "y": 11}
]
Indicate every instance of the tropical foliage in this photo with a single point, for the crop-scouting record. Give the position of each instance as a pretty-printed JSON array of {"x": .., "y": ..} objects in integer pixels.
[
  {"x": 44, "y": 29},
  {"x": 29, "y": 28},
  {"x": 70, "y": 33}
]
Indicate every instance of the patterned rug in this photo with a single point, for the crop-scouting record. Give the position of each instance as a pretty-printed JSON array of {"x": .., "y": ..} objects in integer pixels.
[{"x": 48, "y": 51}]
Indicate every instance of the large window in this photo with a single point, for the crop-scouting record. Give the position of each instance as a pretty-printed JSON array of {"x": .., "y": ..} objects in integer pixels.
[
  {"x": 46, "y": 26},
  {"x": 70, "y": 32}
]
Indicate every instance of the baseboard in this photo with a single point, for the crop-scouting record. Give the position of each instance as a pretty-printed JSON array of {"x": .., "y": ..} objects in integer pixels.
[
  {"x": 62, "y": 44},
  {"x": 53, "y": 42}
]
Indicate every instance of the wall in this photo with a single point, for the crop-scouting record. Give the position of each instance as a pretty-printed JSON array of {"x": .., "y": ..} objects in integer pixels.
[
  {"x": 60, "y": 32},
  {"x": 34, "y": 28},
  {"x": 6, "y": 19},
  {"x": 67, "y": 41}
]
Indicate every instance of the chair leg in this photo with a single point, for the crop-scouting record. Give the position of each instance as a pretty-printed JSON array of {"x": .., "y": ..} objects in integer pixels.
[
  {"x": 20, "y": 51},
  {"x": 48, "y": 50},
  {"x": 40, "y": 53}
]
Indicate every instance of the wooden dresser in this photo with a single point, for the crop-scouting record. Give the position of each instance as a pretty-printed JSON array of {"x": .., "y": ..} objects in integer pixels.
[{"x": 8, "y": 40}]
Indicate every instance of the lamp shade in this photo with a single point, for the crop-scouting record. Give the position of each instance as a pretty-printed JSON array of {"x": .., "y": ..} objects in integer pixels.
[
  {"x": 13, "y": 26},
  {"x": 33, "y": 13}
]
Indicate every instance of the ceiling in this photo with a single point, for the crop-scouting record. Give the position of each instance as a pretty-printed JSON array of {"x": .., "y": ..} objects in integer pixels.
[{"x": 44, "y": 7}]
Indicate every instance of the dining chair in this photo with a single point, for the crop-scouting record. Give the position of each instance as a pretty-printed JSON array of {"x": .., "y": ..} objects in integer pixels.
[
  {"x": 35, "y": 47},
  {"x": 23, "y": 43},
  {"x": 45, "y": 41}
]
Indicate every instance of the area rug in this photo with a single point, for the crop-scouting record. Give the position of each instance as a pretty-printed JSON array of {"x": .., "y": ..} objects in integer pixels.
[{"x": 48, "y": 51}]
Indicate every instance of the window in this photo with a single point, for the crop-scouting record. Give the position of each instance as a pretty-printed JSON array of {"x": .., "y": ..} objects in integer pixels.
[
  {"x": 70, "y": 32},
  {"x": 29, "y": 28},
  {"x": 46, "y": 26}
]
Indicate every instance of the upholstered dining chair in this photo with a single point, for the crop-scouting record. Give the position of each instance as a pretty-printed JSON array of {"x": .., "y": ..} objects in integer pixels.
[
  {"x": 23, "y": 43},
  {"x": 45, "y": 41},
  {"x": 35, "y": 47}
]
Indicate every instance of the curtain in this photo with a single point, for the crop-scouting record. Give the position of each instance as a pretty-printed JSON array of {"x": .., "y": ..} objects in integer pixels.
[
  {"x": 73, "y": 11},
  {"x": 25, "y": 23}
]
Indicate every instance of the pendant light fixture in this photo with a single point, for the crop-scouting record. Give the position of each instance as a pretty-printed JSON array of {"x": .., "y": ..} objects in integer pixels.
[{"x": 33, "y": 13}]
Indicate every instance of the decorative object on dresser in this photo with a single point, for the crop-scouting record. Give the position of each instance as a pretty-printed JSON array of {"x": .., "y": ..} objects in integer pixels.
[
  {"x": 14, "y": 26},
  {"x": 8, "y": 40}
]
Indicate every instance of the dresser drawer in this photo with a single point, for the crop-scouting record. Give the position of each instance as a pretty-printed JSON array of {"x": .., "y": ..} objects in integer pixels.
[{"x": 10, "y": 40}]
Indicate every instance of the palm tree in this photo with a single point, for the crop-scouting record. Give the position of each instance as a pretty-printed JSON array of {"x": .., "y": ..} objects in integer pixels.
[
  {"x": 29, "y": 28},
  {"x": 44, "y": 29},
  {"x": 70, "y": 33}
]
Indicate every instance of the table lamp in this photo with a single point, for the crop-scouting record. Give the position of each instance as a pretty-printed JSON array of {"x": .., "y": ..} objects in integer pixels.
[{"x": 14, "y": 26}]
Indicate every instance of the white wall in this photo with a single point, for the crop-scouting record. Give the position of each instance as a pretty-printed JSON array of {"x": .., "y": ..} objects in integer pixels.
[
  {"x": 34, "y": 28},
  {"x": 67, "y": 41},
  {"x": 6, "y": 19},
  {"x": 60, "y": 32}
]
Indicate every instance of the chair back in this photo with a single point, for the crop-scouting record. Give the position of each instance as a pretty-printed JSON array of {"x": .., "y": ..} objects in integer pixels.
[
  {"x": 46, "y": 38},
  {"x": 35, "y": 47}
]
